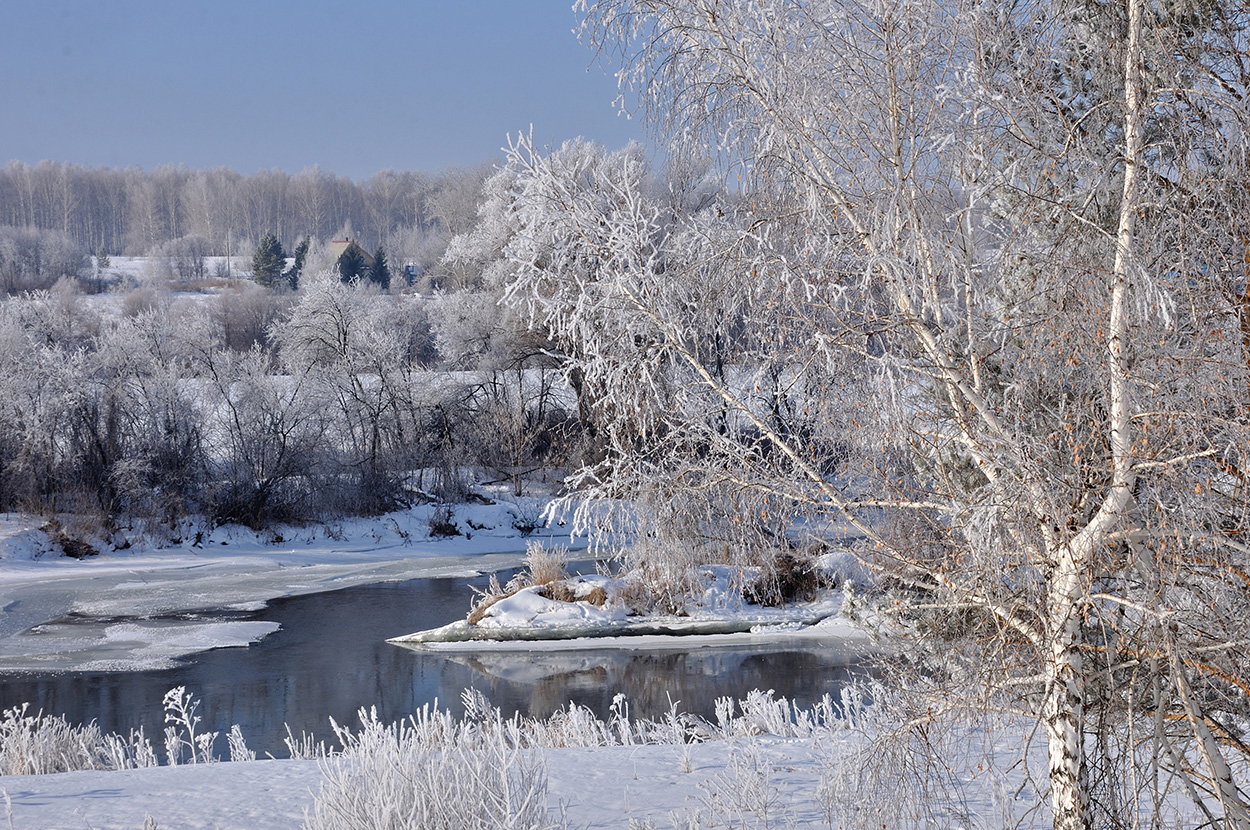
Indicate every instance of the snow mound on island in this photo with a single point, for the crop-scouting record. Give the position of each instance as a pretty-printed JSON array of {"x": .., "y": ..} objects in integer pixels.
[
  {"x": 564, "y": 610},
  {"x": 533, "y": 607}
]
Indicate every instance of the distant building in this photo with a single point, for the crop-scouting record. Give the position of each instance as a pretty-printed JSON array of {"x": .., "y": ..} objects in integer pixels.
[{"x": 337, "y": 247}]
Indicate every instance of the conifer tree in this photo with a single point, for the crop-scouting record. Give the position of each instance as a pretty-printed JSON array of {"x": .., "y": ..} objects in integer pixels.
[
  {"x": 351, "y": 264},
  {"x": 297, "y": 267},
  {"x": 379, "y": 272},
  {"x": 268, "y": 262}
]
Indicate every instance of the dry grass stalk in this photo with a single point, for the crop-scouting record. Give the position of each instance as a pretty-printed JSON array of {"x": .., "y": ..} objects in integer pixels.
[{"x": 543, "y": 566}]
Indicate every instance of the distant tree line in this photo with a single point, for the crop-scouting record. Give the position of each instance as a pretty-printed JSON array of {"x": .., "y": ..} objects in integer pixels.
[{"x": 135, "y": 212}]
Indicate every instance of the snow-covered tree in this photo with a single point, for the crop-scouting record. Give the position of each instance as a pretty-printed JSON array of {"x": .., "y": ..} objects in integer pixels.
[
  {"x": 973, "y": 301},
  {"x": 267, "y": 450},
  {"x": 362, "y": 352},
  {"x": 33, "y": 259}
]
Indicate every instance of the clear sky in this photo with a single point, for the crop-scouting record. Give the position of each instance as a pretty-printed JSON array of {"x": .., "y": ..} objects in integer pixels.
[{"x": 354, "y": 86}]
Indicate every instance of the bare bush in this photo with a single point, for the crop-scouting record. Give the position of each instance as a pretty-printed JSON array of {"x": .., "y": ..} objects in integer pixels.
[
  {"x": 141, "y": 300},
  {"x": 246, "y": 314},
  {"x": 306, "y": 747},
  {"x": 408, "y": 775},
  {"x": 443, "y": 522},
  {"x": 38, "y": 745},
  {"x": 543, "y": 566},
  {"x": 238, "y": 745},
  {"x": 661, "y": 575},
  {"x": 785, "y": 578},
  {"x": 746, "y": 794},
  {"x": 487, "y": 597}
]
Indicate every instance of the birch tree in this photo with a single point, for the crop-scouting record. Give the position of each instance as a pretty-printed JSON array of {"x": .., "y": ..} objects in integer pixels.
[{"x": 975, "y": 297}]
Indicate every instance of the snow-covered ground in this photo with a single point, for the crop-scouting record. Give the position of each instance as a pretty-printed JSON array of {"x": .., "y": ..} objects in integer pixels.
[
  {"x": 794, "y": 782},
  {"x": 598, "y": 788},
  {"x": 748, "y": 779}
]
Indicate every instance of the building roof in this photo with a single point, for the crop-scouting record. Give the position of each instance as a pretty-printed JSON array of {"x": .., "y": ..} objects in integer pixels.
[{"x": 338, "y": 246}]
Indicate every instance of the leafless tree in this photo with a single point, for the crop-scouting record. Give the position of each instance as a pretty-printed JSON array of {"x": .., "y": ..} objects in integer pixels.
[{"x": 971, "y": 299}]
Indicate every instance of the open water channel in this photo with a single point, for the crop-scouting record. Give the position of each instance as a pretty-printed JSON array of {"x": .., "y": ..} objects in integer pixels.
[{"x": 330, "y": 658}]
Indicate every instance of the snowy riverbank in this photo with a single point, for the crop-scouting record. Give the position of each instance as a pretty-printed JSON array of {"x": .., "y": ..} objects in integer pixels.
[
  {"x": 148, "y": 605},
  {"x": 598, "y": 788},
  {"x": 756, "y": 781}
]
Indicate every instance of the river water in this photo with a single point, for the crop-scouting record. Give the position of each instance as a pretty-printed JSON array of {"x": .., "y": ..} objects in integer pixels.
[{"x": 330, "y": 658}]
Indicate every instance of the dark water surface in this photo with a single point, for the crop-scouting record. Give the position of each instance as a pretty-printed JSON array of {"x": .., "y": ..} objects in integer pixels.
[{"x": 330, "y": 658}]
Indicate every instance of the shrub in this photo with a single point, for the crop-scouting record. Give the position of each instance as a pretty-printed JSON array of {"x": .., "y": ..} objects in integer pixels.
[
  {"x": 443, "y": 522},
  {"x": 661, "y": 575},
  {"x": 73, "y": 546},
  {"x": 543, "y": 566},
  {"x": 38, "y": 744},
  {"x": 785, "y": 579},
  {"x": 430, "y": 774}
]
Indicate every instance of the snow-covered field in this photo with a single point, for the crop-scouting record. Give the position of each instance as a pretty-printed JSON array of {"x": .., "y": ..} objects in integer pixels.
[
  {"x": 762, "y": 765},
  {"x": 596, "y": 787}
]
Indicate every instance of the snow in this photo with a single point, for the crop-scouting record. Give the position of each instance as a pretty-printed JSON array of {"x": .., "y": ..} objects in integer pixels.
[
  {"x": 601, "y": 787},
  {"x": 135, "y": 646},
  {"x": 258, "y": 795}
]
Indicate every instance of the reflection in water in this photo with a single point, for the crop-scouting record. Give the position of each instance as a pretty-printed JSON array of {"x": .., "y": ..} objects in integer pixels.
[
  {"x": 329, "y": 659},
  {"x": 539, "y": 684}
]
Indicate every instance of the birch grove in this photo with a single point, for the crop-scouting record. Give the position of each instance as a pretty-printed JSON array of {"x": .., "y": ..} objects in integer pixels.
[{"x": 974, "y": 291}]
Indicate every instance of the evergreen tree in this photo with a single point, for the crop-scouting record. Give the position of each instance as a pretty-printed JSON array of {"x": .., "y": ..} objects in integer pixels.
[
  {"x": 268, "y": 262},
  {"x": 297, "y": 267},
  {"x": 379, "y": 272},
  {"x": 351, "y": 264}
]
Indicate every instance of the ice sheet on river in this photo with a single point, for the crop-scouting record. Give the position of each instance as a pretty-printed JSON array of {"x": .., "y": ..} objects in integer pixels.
[{"x": 145, "y": 606}]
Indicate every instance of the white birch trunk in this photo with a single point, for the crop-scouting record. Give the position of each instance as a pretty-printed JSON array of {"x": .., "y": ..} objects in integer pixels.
[{"x": 1064, "y": 711}]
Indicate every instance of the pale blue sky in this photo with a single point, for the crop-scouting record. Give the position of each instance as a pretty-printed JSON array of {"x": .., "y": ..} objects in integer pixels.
[{"x": 251, "y": 84}]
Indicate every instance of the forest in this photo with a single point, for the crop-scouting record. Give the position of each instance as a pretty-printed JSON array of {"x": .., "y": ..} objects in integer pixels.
[
  {"x": 254, "y": 406},
  {"x": 220, "y": 212}
]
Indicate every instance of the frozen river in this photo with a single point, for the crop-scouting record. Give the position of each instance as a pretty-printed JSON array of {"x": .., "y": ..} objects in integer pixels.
[{"x": 329, "y": 658}]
